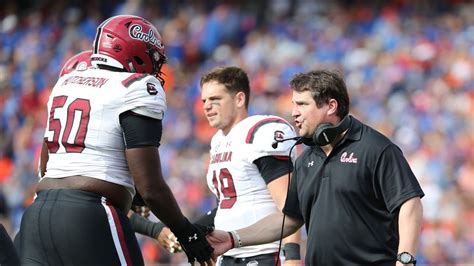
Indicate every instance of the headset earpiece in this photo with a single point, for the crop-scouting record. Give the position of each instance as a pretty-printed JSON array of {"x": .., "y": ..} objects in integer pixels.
[{"x": 327, "y": 133}]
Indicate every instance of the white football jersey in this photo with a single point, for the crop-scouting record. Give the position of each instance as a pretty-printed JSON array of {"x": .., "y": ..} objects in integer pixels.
[
  {"x": 243, "y": 197},
  {"x": 83, "y": 131}
]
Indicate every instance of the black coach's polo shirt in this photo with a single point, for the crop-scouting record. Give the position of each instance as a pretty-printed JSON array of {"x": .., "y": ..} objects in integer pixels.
[{"x": 350, "y": 200}]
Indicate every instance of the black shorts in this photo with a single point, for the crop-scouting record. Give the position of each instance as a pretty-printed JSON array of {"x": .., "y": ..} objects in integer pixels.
[{"x": 74, "y": 227}]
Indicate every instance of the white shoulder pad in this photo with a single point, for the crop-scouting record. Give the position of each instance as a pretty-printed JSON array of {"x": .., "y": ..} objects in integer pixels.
[
  {"x": 144, "y": 95},
  {"x": 263, "y": 133}
]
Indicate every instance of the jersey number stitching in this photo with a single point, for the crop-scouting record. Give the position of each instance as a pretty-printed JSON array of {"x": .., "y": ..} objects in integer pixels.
[
  {"x": 226, "y": 187},
  {"x": 81, "y": 105}
]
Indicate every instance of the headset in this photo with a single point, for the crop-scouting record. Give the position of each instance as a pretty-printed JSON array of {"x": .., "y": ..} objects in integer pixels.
[{"x": 324, "y": 134}]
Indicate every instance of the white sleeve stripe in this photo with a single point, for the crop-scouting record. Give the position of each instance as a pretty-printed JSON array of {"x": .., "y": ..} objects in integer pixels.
[{"x": 253, "y": 130}]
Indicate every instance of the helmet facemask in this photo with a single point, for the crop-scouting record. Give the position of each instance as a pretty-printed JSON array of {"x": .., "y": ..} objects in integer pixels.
[{"x": 158, "y": 60}]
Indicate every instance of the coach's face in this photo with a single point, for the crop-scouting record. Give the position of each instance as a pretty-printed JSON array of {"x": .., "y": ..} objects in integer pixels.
[
  {"x": 219, "y": 105},
  {"x": 307, "y": 116}
]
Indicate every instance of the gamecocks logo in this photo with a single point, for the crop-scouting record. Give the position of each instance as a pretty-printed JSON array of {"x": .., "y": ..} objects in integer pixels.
[
  {"x": 278, "y": 135},
  {"x": 151, "y": 88}
]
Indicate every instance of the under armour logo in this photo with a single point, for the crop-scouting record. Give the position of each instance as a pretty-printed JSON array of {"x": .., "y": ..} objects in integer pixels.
[
  {"x": 311, "y": 163},
  {"x": 194, "y": 237}
]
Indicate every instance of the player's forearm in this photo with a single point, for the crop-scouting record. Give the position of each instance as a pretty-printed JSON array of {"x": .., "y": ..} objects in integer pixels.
[
  {"x": 163, "y": 204},
  {"x": 409, "y": 224},
  {"x": 144, "y": 226},
  {"x": 145, "y": 167},
  {"x": 268, "y": 230}
]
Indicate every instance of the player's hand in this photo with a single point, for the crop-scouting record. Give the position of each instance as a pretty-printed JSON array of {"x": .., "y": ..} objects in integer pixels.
[
  {"x": 220, "y": 241},
  {"x": 169, "y": 241},
  {"x": 192, "y": 238}
]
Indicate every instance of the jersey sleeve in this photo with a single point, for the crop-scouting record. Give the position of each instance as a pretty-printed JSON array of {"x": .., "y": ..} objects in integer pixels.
[
  {"x": 263, "y": 133},
  {"x": 144, "y": 95},
  {"x": 396, "y": 180}
]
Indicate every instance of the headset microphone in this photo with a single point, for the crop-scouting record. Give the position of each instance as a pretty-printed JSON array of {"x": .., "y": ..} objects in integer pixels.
[{"x": 299, "y": 140}]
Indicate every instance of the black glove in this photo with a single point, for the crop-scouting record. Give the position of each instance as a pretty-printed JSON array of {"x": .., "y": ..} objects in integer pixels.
[{"x": 192, "y": 238}]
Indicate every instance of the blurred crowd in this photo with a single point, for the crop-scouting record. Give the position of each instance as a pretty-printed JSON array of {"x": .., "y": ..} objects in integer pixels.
[{"x": 409, "y": 68}]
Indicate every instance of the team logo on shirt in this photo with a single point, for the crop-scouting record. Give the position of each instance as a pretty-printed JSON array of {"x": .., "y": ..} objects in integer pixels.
[
  {"x": 278, "y": 135},
  {"x": 348, "y": 159},
  {"x": 151, "y": 88},
  {"x": 194, "y": 237}
]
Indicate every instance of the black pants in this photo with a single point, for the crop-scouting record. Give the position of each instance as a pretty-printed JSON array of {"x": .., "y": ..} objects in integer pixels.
[
  {"x": 74, "y": 227},
  {"x": 8, "y": 254},
  {"x": 265, "y": 259}
]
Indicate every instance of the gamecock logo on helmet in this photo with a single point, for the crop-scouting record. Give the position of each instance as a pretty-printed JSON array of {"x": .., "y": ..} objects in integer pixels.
[
  {"x": 137, "y": 33},
  {"x": 278, "y": 135}
]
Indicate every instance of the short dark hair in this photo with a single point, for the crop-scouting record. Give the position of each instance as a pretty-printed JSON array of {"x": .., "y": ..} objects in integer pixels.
[
  {"x": 233, "y": 78},
  {"x": 323, "y": 85}
]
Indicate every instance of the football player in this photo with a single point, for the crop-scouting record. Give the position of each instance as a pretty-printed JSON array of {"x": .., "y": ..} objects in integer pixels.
[
  {"x": 80, "y": 61},
  {"x": 139, "y": 223},
  {"x": 102, "y": 138},
  {"x": 248, "y": 175}
]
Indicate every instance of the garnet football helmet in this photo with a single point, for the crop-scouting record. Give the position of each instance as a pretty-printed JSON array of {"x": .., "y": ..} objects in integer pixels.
[
  {"x": 131, "y": 43},
  {"x": 80, "y": 61}
]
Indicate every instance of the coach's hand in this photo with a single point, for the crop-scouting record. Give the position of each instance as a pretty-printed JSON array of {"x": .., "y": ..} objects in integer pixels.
[{"x": 192, "y": 238}]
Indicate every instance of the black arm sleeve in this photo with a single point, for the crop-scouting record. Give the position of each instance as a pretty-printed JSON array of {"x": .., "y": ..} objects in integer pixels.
[
  {"x": 140, "y": 131},
  {"x": 144, "y": 226},
  {"x": 272, "y": 167},
  {"x": 207, "y": 219}
]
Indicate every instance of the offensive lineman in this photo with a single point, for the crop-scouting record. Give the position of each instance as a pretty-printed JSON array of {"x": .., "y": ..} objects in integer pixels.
[
  {"x": 104, "y": 127},
  {"x": 139, "y": 223}
]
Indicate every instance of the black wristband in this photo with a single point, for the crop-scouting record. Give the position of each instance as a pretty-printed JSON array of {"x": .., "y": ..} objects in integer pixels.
[
  {"x": 146, "y": 227},
  {"x": 292, "y": 251}
]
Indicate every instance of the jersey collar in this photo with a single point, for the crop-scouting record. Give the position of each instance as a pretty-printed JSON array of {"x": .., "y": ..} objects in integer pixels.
[{"x": 355, "y": 129}]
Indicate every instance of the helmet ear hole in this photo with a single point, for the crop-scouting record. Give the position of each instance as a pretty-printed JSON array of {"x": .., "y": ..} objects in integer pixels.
[{"x": 138, "y": 60}]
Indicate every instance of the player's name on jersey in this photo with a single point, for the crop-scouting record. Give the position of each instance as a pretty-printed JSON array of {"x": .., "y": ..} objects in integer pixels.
[
  {"x": 222, "y": 157},
  {"x": 87, "y": 81}
]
